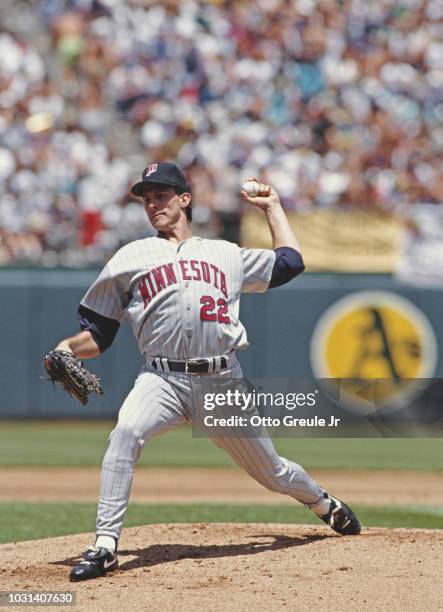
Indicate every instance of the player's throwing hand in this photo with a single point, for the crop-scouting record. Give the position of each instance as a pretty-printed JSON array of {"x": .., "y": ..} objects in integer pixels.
[{"x": 259, "y": 194}]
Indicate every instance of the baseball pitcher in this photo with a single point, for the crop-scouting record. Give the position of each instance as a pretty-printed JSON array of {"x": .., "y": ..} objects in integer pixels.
[{"x": 180, "y": 294}]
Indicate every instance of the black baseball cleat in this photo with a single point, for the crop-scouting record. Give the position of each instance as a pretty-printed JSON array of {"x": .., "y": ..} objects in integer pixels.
[
  {"x": 341, "y": 518},
  {"x": 97, "y": 562}
]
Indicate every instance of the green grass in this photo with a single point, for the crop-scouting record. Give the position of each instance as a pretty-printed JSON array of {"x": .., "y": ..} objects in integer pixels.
[
  {"x": 29, "y": 521},
  {"x": 83, "y": 443}
]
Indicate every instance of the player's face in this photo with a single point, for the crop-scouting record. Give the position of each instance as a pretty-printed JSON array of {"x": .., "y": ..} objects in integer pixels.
[{"x": 163, "y": 206}]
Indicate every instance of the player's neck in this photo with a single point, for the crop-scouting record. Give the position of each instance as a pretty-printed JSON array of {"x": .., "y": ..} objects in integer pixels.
[{"x": 176, "y": 234}]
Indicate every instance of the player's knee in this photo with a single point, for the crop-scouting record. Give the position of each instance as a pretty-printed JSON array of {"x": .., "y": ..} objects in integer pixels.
[{"x": 124, "y": 444}]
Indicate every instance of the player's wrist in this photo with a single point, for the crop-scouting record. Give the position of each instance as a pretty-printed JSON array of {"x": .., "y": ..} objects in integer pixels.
[
  {"x": 273, "y": 207},
  {"x": 65, "y": 346}
]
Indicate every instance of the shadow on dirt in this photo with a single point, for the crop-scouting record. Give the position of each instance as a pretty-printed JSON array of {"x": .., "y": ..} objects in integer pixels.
[{"x": 168, "y": 553}]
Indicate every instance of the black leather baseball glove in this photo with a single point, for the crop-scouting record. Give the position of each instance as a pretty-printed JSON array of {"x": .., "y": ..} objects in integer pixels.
[{"x": 65, "y": 368}]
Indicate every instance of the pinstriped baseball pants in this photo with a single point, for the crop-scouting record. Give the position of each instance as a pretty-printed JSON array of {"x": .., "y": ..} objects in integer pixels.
[{"x": 157, "y": 403}]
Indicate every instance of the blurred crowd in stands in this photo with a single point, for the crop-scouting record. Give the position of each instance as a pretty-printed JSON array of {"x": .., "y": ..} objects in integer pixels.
[{"x": 336, "y": 103}]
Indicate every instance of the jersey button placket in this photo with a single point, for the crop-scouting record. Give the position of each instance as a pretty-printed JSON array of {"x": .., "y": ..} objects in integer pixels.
[{"x": 186, "y": 298}]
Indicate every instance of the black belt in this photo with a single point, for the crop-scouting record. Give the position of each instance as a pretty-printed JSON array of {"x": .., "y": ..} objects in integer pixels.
[{"x": 191, "y": 366}]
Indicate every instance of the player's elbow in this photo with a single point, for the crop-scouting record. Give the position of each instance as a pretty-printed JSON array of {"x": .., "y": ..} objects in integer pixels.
[
  {"x": 297, "y": 264},
  {"x": 288, "y": 264},
  {"x": 294, "y": 263}
]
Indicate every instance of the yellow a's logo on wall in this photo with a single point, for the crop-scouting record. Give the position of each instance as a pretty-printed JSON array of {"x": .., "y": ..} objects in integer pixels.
[{"x": 374, "y": 335}]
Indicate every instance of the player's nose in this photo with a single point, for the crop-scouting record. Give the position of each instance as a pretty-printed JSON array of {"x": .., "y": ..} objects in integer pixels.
[
  {"x": 153, "y": 208},
  {"x": 149, "y": 205}
]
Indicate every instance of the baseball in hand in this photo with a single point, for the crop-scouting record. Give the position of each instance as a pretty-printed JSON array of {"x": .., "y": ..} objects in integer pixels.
[{"x": 255, "y": 189}]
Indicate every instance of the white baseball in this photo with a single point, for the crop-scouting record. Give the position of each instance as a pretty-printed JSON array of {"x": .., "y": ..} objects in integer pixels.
[{"x": 252, "y": 188}]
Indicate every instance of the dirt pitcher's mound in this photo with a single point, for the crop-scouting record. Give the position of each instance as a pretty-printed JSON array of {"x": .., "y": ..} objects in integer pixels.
[{"x": 242, "y": 567}]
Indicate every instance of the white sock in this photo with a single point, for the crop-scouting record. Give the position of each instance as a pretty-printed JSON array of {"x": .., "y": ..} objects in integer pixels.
[
  {"x": 322, "y": 507},
  {"x": 103, "y": 541}
]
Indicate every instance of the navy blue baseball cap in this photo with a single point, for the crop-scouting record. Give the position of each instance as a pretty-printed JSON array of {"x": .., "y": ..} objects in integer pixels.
[{"x": 165, "y": 173}]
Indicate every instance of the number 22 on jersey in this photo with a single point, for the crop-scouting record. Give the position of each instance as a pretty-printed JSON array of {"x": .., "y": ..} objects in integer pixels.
[{"x": 214, "y": 311}]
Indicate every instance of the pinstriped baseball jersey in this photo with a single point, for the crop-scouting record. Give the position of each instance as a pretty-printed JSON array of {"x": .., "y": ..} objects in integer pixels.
[{"x": 181, "y": 300}]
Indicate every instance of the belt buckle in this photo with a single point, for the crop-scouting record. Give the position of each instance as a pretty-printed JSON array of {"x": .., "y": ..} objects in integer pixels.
[{"x": 194, "y": 362}]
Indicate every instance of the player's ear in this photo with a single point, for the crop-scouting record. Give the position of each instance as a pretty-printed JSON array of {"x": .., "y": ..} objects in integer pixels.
[{"x": 185, "y": 199}]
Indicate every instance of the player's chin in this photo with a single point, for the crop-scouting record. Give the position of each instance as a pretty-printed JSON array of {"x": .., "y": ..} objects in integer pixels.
[{"x": 159, "y": 221}]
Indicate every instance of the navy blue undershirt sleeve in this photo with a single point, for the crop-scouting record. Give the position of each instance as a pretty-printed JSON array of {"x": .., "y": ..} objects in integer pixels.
[
  {"x": 288, "y": 264},
  {"x": 103, "y": 329}
]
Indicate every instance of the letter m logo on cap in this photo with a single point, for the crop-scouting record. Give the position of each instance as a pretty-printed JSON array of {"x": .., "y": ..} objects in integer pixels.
[{"x": 150, "y": 170}]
